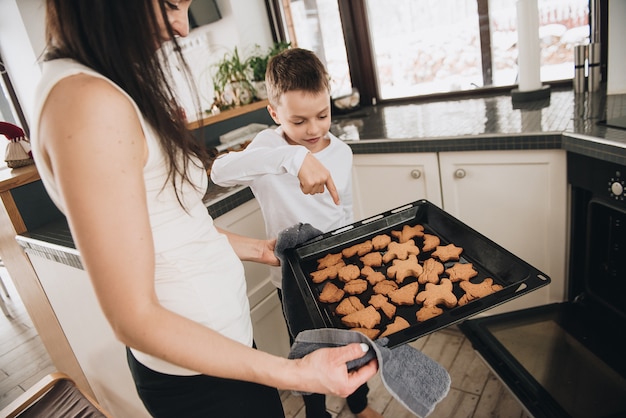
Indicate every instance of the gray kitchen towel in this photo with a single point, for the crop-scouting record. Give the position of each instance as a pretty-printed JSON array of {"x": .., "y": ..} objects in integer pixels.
[
  {"x": 411, "y": 377},
  {"x": 415, "y": 380}
]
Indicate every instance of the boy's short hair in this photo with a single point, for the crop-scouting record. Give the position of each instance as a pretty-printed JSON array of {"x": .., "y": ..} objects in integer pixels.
[{"x": 295, "y": 69}]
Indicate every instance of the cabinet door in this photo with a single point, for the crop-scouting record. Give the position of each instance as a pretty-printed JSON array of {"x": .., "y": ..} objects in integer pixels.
[
  {"x": 517, "y": 199},
  {"x": 386, "y": 181},
  {"x": 247, "y": 220}
]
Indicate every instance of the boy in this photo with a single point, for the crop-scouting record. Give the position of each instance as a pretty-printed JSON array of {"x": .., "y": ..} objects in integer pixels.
[{"x": 289, "y": 168}]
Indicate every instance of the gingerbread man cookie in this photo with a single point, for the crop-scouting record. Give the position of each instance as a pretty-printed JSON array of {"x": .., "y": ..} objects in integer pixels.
[
  {"x": 401, "y": 269},
  {"x": 437, "y": 294},
  {"x": 408, "y": 232},
  {"x": 400, "y": 250}
]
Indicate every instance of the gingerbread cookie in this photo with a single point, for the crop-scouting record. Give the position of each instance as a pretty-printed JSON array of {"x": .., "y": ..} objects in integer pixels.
[
  {"x": 401, "y": 269},
  {"x": 400, "y": 250},
  {"x": 365, "y": 318},
  {"x": 371, "y": 275},
  {"x": 374, "y": 259},
  {"x": 477, "y": 290},
  {"x": 447, "y": 252},
  {"x": 326, "y": 273},
  {"x": 370, "y": 333},
  {"x": 329, "y": 260},
  {"x": 437, "y": 294},
  {"x": 405, "y": 295},
  {"x": 349, "y": 305},
  {"x": 331, "y": 293},
  {"x": 384, "y": 287},
  {"x": 355, "y": 287},
  {"x": 381, "y": 302},
  {"x": 380, "y": 242},
  {"x": 360, "y": 249},
  {"x": 431, "y": 271},
  {"x": 461, "y": 272},
  {"x": 408, "y": 232},
  {"x": 427, "y": 312},
  {"x": 397, "y": 325},
  {"x": 430, "y": 242},
  {"x": 348, "y": 272}
]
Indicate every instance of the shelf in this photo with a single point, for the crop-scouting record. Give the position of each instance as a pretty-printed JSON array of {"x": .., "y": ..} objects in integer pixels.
[{"x": 228, "y": 114}]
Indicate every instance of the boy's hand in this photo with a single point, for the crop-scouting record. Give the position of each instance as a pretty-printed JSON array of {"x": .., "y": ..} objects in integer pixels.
[{"x": 314, "y": 177}]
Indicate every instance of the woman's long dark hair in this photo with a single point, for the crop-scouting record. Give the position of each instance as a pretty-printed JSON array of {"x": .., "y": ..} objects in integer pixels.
[{"x": 118, "y": 38}]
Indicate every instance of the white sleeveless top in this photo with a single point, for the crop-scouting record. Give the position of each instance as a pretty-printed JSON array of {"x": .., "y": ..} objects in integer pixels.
[{"x": 197, "y": 273}]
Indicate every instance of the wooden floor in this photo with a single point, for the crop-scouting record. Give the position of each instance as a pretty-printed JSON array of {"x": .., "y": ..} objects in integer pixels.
[{"x": 475, "y": 391}]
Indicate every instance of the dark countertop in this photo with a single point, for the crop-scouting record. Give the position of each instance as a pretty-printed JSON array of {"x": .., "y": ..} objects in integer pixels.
[{"x": 568, "y": 121}]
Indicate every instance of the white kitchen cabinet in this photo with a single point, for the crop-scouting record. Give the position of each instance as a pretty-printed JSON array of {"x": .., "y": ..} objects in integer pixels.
[
  {"x": 270, "y": 329},
  {"x": 387, "y": 181},
  {"x": 517, "y": 199}
]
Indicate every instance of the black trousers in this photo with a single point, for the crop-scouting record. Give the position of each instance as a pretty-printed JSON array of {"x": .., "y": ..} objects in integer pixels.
[{"x": 201, "y": 396}]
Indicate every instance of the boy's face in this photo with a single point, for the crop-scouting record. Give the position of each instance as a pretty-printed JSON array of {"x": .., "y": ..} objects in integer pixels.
[{"x": 304, "y": 117}]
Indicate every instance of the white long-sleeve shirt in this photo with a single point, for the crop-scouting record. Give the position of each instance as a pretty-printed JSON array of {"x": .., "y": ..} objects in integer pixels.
[{"x": 270, "y": 166}]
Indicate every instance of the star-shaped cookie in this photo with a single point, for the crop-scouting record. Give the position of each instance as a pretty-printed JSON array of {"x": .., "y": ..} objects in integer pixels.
[
  {"x": 447, "y": 252},
  {"x": 461, "y": 272}
]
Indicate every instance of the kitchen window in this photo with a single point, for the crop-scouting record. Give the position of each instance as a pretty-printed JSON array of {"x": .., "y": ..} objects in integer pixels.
[{"x": 398, "y": 49}]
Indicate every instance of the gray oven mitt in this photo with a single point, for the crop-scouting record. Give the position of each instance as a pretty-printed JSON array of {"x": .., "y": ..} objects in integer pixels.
[
  {"x": 415, "y": 380},
  {"x": 411, "y": 377}
]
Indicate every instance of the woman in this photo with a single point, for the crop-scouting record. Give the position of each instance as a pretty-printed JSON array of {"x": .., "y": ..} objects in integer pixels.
[{"x": 115, "y": 156}]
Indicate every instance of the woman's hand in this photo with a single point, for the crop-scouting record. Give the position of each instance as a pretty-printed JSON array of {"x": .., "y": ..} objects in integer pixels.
[
  {"x": 252, "y": 249},
  {"x": 328, "y": 370}
]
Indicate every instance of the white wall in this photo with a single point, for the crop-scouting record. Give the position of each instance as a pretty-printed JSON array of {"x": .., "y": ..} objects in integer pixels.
[
  {"x": 244, "y": 23},
  {"x": 616, "y": 70}
]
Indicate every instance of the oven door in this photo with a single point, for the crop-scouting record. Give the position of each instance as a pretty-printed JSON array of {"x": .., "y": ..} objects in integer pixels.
[
  {"x": 568, "y": 359},
  {"x": 559, "y": 360}
]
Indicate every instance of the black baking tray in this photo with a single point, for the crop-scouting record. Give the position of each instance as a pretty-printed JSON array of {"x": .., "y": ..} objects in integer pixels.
[{"x": 490, "y": 260}]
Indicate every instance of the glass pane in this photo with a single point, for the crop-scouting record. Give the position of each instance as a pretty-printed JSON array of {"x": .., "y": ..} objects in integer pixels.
[
  {"x": 563, "y": 24},
  {"x": 433, "y": 46},
  {"x": 317, "y": 27},
  {"x": 425, "y": 46}
]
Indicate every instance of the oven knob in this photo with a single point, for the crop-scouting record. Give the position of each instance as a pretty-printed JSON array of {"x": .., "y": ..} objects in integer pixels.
[{"x": 617, "y": 189}]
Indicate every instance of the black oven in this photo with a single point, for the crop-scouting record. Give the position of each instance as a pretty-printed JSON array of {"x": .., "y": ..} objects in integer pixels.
[{"x": 568, "y": 359}]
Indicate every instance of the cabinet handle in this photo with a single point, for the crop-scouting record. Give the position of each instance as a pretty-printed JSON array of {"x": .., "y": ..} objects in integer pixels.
[
  {"x": 416, "y": 174},
  {"x": 460, "y": 173}
]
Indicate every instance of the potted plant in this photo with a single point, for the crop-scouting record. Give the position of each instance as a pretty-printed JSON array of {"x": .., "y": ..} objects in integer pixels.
[
  {"x": 231, "y": 82},
  {"x": 258, "y": 65}
]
